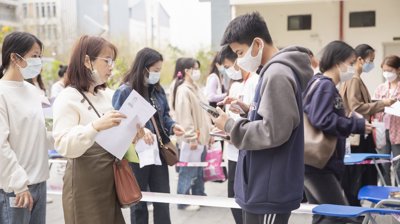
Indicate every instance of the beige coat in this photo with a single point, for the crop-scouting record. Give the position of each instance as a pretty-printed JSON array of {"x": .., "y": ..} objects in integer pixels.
[
  {"x": 190, "y": 115},
  {"x": 357, "y": 98}
]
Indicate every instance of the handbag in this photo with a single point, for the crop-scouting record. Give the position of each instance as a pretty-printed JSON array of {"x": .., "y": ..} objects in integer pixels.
[
  {"x": 214, "y": 172},
  {"x": 168, "y": 151},
  {"x": 126, "y": 186},
  {"x": 318, "y": 146}
]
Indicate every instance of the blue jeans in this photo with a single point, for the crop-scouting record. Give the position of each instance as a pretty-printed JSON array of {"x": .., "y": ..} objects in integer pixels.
[
  {"x": 191, "y": 178},
  {"x": 9, "y": 215}
]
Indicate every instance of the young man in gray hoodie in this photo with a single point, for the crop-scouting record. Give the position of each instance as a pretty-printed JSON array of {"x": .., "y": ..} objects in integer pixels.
[{"x": 270, "y": 169}]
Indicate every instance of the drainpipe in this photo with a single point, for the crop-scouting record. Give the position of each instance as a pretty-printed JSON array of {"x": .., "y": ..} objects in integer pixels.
[{"x": 341, "y": 20}]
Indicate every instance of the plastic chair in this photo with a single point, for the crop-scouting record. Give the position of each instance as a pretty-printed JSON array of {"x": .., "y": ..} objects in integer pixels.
[
  {"x": 352, "y": 211},
  {"x": 375, "y": 194}
]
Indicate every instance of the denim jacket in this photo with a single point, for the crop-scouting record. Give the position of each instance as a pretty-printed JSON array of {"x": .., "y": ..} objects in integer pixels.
[{"x": 159, "y": 102}]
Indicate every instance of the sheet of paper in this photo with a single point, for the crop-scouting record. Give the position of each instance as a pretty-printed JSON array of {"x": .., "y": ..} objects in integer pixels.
[
  {"x": 116, "y": 140},
  {"x": 189, "y": 155},
  {"x": 148, "y": 154},
  {"x": 394, "y": 109}
]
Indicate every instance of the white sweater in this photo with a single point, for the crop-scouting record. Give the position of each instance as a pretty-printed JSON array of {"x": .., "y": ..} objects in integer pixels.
[
  {"x": 23, "y": 137},
  {"x": 72, "y": 127}
]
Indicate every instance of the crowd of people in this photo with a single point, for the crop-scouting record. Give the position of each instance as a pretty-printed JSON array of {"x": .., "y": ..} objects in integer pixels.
[{"x": 262, "y": 95}]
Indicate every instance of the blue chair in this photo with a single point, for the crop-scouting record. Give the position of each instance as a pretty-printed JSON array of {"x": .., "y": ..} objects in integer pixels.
[
  {"x": 359, "y": 158},
  {"x": 375, "y": 194},
  {"x": 352, "y": 211}
]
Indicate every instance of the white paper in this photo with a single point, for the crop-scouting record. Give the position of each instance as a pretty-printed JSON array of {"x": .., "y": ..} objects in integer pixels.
[
  {"x": 148, "y": 154},
  {"x": 189, "y": 155},
  {"x": 394, "y": 109},
  {"x": 117, "y": 140}
]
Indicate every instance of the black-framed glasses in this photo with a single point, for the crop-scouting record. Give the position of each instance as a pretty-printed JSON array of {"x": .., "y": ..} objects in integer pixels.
[{"x": 110, "y": 61}]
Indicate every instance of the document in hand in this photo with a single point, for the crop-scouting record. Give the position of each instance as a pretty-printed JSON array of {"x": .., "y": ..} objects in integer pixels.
[
  {"x": 190, "y": 155},
  {"x": 394, "y": 109},
  {"x": 148, "y": 154},
  {"x": 116, "y": 140}
]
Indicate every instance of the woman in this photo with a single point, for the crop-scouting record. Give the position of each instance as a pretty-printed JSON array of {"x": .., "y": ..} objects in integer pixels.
[
  {"x": 357, "y": 98},
  {"x": 187, "y": 97},
  {"x": 81, "y": 111},
  {"x": 214, "y": 89},
  {"x": 23, "y": 136},
  {"x": 390, "y": 90},
  {"x": 324, "y": 108},
  {"x": 144, "y": 77}
]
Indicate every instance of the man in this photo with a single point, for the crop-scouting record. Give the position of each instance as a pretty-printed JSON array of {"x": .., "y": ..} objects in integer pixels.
[{"x": 270, "y": 168}]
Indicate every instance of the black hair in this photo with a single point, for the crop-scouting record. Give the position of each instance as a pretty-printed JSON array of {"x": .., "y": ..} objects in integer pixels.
[
  {"x": 181, "y": 65},
  {"x": 62, "y": 69},
  {"x": 227, "y": 53},
  {"x": 39, "y": 82},
  {"x": 363, "y": 51},
  {"x": 213, "y": 67},
  {"x": 335, "y": 53},
  {"x": 243, "y": 29},
  {"x": 135, "y": 77},
  {"x": 19, "y": 43}
]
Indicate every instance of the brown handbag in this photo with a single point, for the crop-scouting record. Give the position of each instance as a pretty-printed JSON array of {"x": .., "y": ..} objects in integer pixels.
[
  {"x": 126, "y": 186},
  {"x": 168, "y": 151},
  {"x": 318, "y": 146}
]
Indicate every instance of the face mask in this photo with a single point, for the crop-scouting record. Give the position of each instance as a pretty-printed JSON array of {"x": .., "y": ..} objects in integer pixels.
[
  {"x": 346, "y": 75},
  {"x": 196, "y": 74},
  {"x": 367, "y": 67},
  {"x": 233, "y": 73},
  {"x": 96, "y": 78},
  {"x": 390, "y": 76},
  {"x": 250, "y": 63},
  {"x": 33, "y": 68},
  {"x": 154, "y": 77}
]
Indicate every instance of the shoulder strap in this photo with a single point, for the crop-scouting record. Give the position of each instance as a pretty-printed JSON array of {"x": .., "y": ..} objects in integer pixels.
[
  {"x": 90, "y": 103},
  {"x": 153, "y": 121}
]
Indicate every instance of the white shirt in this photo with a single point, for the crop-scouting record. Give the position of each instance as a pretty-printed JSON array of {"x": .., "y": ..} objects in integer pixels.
[
  {"x": 23, "y": 137},
  {"x": 72, "y": 120},
  {"x": 56, "y": 88},
  {"x": 245, "y": 90}
]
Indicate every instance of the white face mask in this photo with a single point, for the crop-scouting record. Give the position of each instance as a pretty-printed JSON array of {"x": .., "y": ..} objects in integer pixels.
[
  {"x": 248, "y": 62},
  {"x": 233, "y": 74},
  {"x": 154, "y": 77},
  {"x": 196, "y": 74},
  {"x": 346, "y": 75},
  {"x": 390, "y": 76},
  {"x": 33, "y": 68}
]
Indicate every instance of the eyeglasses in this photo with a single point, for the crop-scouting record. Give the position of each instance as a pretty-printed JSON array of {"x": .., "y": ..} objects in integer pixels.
[{"x": 110, "y": 62}]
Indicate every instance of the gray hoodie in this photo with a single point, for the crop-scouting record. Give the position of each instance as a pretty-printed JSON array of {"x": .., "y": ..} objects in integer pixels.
[{"x": 270, "y": 169}]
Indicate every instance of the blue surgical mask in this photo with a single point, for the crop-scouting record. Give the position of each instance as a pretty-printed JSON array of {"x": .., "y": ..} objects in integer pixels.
[
  {"x": 367, "y": 67},
  {"x": 154, "y": 77}
]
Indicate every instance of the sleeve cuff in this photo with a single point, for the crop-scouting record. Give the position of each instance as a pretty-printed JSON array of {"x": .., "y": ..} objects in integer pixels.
[
  {"x": 89, "y": 129},
  {"x": 23, "y": 189},
  {"x": 229, "y": 125},
  {"x": 361, "y": 125}
]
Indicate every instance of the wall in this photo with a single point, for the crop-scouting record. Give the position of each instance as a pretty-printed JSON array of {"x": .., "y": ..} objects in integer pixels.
[{"x": 325, "y": 26}]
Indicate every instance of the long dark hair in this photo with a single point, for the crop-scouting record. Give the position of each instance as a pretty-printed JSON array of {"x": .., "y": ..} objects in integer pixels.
[
  {"x": 16, "y": 42},
  {"x": 363, "y": 51},
  {"x": 335, "y": 53},
  {"x": 181, "y": 65},
  {"x": 213, "y": 67},
  {"x": 78, "y": 75},
  {"x": 39, "y": 81},
  {"x": 135, "y": 77}
]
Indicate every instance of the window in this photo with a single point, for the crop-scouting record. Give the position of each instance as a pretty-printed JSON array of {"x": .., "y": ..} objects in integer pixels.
[
  {"x": 49, "y": 14},
  {"x": 299, "y": 22},
  {"x": 25, "y": 10},
  {"x": 43, "y": 10},
  {"x": 362, "y": 19},
  {"x": 37, "y": 10},
  {"x": 54, "y": 9}
]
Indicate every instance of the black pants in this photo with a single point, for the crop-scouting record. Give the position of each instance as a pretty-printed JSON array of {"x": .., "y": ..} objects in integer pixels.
[
  {"x": 237, "y": 213},
  {"x": 323, "y": 187},
  {"x": 155, "y": 178},
  {"x": 357, "y": 176},
  {"x": 250, "y": 218}
]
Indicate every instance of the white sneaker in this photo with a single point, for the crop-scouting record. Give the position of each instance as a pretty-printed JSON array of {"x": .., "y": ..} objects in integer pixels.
[{"x": 192, "y": 208}]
